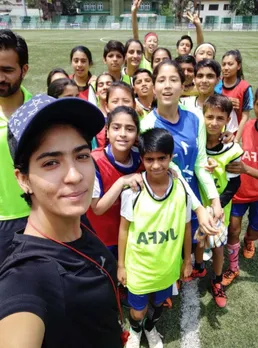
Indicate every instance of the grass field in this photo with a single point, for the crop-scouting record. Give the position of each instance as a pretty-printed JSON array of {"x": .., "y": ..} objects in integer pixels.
[{"x": 203, "y": 324}]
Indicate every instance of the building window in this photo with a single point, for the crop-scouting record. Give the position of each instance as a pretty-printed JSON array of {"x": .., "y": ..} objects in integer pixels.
[
  {"x": 147, "y": 6},
  {"x": 86, "y": 7},
  {"x": 93, "y": 7},
  {"x": 226, "y": 7},
  {"x": 100, "y": 6},
  {"x": 201, "y": 7},
  {"x": 213, "y": 7}
]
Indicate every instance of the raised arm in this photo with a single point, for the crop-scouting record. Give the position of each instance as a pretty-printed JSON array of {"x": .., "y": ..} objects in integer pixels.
[
  {"x": 21, "y": 330},
  {"x": 135, "y": 6},
  {"x": 194, "y": 18}
]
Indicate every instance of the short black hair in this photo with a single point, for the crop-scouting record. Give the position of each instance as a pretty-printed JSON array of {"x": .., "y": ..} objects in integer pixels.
[
  {"x": 218, "y": 101},
  {"x": 83, "y": 49},
  {"x": 186, "y": 58},
  {"x": 172, "y": 63},
  {"x": 156, "y": 140},
  {"x": 126, "y": 110},
  {"x": 185, "y": 37},
  {"x": 208, "y": 63},
  {"x": 21, "y": 161},
  {"x": 56, "y": 88},
  {"x": 141, "y": 71},
  {"x": 12, "y": 41},
  {"x": 114, "y": 45},
  {"x": 53, "y": 72}
]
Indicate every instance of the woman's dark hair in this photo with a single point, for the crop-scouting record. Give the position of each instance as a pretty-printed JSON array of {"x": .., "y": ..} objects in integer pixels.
[
  {"x": 56, "y": 88},
  {"x": 11, "y": 41},
  {"x": 156, "y": 140},
  {"x": 172, "y": 63},
  {"x": 128, "y": 43},
  {"x": 220, "y": 102},
  {"x": 121, "y": 85},
  {"x": 186, "y": 58},
  {"x": 237, "y": 55},
  {"x": 104, "y": 74},
  {"x": 125, "y": 110},
  {"x": 21, "y": 161},
  {"x": 208, "y": 63},
  {"x": 256, "y": 95},
  {"x": 83, "y": 49},
  {"x": 160, "y": 49},
  {"x": 185, "y": 37},
  {"x": 141, "y": 71},
  {"x": 55, "y": 71},
  {"x": 114, "y": 45}
]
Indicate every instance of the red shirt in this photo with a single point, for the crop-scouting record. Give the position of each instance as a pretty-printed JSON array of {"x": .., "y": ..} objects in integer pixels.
[{"x": 248, "y": 191}]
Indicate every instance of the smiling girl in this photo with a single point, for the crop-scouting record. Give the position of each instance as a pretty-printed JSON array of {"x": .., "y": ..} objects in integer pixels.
[
  {"x": 133, "y": 56},
  {"x": 114, "y": 167}
]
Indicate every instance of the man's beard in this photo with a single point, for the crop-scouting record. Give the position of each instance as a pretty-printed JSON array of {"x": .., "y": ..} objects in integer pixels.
[{"x": 11, "y": 88}]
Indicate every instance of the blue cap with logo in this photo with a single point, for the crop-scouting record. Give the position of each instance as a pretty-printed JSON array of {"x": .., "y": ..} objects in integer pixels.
[{"x": 42, "y": 110}]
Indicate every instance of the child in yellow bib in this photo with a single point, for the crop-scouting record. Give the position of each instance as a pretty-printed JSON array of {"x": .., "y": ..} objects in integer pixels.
[
  {"x": 154, "y": 228},
  {"x": 216, "y": 110}
]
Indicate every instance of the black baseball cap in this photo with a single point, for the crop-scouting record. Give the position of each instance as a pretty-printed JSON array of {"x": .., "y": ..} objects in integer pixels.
[{"x": 43, "y": 109}]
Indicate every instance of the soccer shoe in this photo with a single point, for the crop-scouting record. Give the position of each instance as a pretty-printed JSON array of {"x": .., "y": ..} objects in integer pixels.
[
  {"x": 168, "y": 303},
  {"x": 154, "y": 338},
  {"x": 218, "y": 293},
  {"x": 196, "y": 274},
  {"x": 229, "y": 276},
  {"x": 249, "y": 249},
  {"x": 134, "y": 339}
]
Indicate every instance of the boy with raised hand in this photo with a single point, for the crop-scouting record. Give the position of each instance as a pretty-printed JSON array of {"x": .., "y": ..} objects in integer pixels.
[
  {"x": 154, "y": 228},
  {"x": 217, "y": 109},
  {"x": 114, "y": 57}
]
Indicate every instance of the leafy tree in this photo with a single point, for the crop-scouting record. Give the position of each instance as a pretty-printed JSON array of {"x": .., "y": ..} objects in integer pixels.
[{"x": 244, "y": 7}]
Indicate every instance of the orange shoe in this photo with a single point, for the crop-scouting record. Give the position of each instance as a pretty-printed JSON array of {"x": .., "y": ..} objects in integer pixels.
[
  {"x": 249, "y": 249},
  {"x": 218, "y": 293},
  {"x": 195, "y": 274},
  {"x": 229, "y": 276},
  {"x": 168, "y": 303}
]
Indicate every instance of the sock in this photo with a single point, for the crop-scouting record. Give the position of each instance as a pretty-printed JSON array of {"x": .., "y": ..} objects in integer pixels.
[
  {"x": 153, "y": 316},
  {"x": 233, "y": 251},
  {"x": 136, "y": 325},
  {"x": 216, "y": 278},
  {"x": 199, "y": 266}
]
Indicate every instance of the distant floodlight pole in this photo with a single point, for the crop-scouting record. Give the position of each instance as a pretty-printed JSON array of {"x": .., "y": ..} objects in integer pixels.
[{"x": 24, "y": 8}]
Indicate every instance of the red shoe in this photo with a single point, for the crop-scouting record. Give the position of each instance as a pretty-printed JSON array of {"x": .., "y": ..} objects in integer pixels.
[
  {"x": 229, "y": 276},
  {"x": 168, "y": 303},
  {"x": 218, "y": 293},
  {"x": 196, "y": 274}
]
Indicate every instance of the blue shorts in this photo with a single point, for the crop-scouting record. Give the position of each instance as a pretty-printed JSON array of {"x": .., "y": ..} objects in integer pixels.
[
  {"x": 239, "y": 210},
  {"x": 139, "y": 302}
]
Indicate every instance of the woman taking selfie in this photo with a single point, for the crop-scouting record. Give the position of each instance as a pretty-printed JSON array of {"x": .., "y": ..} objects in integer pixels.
[{"x": 58, "y": 285}]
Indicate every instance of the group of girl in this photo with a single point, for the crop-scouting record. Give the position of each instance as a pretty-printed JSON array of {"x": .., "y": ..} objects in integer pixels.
[{"x": 147, "y": 95}]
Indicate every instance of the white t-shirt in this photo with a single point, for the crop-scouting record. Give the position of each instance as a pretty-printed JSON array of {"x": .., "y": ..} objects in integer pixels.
[
  {"x": 128, "y": 198},
  {"x": 192, "y": 105}
]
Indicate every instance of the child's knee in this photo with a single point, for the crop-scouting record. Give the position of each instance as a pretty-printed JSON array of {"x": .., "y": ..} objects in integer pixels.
[{"x": 138, "y": 315}]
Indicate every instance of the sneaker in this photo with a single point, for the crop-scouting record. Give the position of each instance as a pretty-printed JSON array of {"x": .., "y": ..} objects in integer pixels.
[
  {"x": 249, "y": 249},
  {"x": 154, "y": 338},
  {"x": 134, "y": 339},
  {"x": 218, "y": 293},
  {"x": 196, "y": 274},
  {"x": 168, "y": 303},
  {"x": 229, "y": 276}
]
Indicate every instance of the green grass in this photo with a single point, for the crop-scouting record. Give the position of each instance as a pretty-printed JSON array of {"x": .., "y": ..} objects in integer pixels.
[{"x": 236, "y": 326}]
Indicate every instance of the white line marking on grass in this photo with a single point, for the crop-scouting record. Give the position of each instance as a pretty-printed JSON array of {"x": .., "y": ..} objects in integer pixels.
[
  {"x": 103, "y": 39},
  {"x": 190, "y": 311}
]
